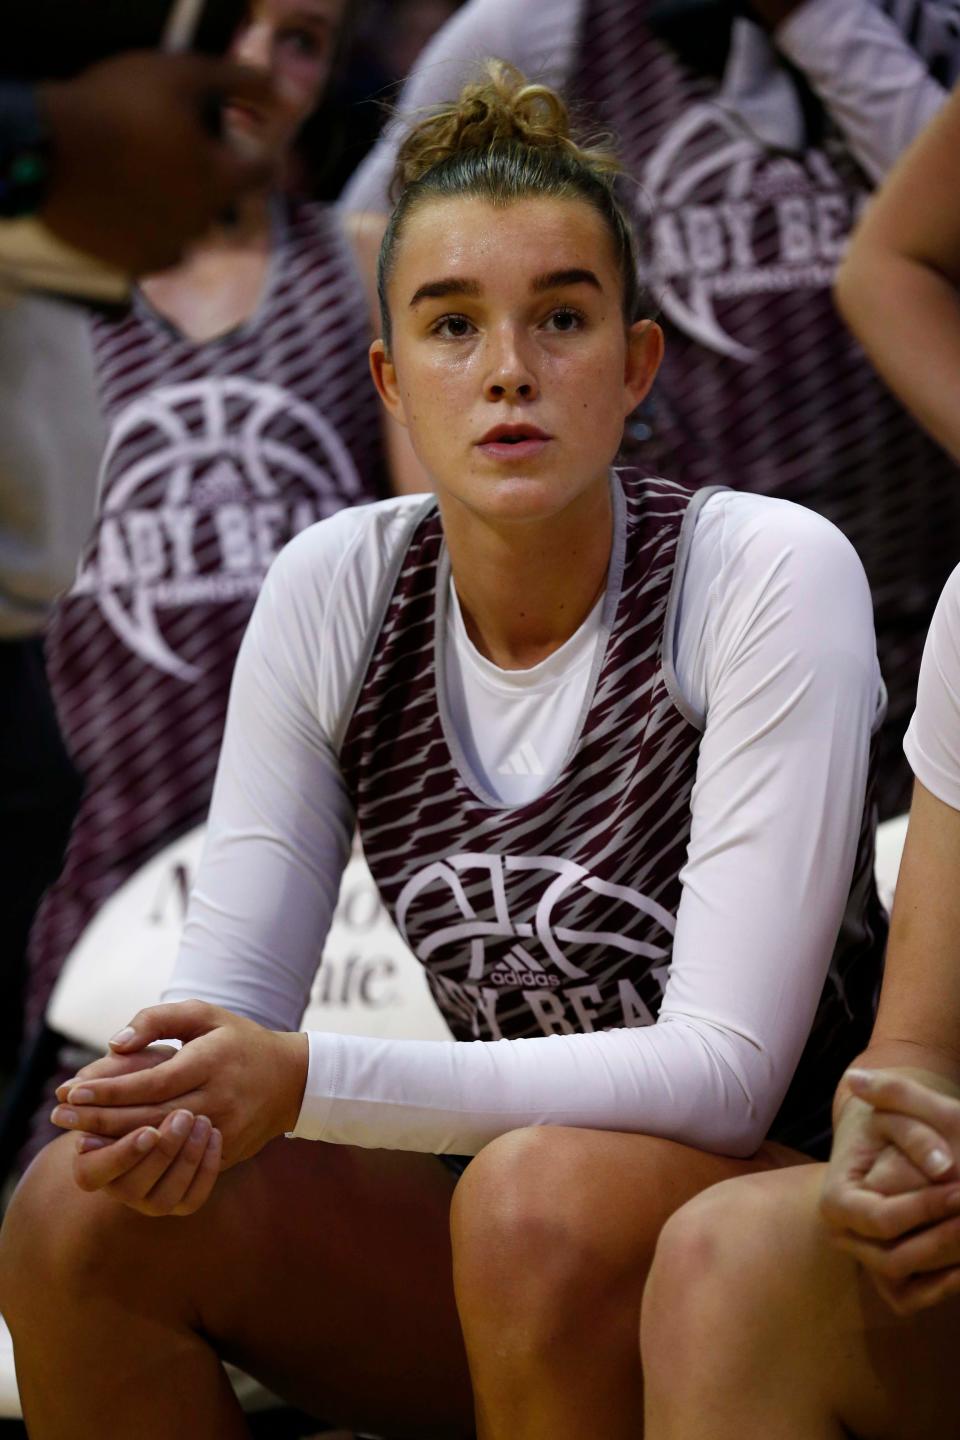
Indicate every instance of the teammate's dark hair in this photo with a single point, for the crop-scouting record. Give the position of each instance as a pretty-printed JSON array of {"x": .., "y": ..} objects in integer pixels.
[{"x": 504, "y": 140}]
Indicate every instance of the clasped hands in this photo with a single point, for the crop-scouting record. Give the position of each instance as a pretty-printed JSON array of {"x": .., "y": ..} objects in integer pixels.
[
  {"x": 891, "y": 1197},
  {"x": 156, "y": 1125}
]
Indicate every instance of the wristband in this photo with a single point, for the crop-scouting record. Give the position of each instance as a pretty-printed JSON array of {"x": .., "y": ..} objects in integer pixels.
[{"x": 25, "y": 152}]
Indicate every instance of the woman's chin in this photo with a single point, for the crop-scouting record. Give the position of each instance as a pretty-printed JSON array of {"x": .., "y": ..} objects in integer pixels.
[{"x": 520, "y": 498}]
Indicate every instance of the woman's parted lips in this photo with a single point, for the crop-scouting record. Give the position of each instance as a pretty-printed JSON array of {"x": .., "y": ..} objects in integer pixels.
[{"x": 512, "y": 434}]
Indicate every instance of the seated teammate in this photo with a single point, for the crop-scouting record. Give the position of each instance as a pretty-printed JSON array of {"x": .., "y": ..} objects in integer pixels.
[
  {"x": 781, "y": 1324},
  {"x": 608, "y": 742}
]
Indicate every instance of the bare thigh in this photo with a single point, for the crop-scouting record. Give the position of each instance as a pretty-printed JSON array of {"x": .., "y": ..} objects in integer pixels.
[{"x": 324, "y": 1271}]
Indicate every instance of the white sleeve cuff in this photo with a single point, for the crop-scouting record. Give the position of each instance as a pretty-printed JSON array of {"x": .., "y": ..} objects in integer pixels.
[{"x": 323, "y": 1071}]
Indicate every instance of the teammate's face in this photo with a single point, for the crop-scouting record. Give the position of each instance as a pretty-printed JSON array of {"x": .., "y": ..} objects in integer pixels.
[
  {"x": 510, "y": 362},
  {"x": 294, "y": 40}
]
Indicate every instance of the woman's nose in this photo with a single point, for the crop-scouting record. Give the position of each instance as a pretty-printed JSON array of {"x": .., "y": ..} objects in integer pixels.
[
  {"x": 510, "y": 375},
  {"x": 253, "y": 45}
]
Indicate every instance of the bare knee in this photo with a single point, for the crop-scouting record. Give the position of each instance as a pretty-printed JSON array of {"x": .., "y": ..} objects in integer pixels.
[
  {"x": 537, "y": 1235},
  {"x": 718, "y": 1276},
  {"x": 48, "y": 1233},
  {"x": 60, "y": 1245}
]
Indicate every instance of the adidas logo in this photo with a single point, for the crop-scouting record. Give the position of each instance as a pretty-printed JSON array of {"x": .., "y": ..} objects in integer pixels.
[
  {"x": 523, "y": 761},
  {"x": 221, "y": 484}
]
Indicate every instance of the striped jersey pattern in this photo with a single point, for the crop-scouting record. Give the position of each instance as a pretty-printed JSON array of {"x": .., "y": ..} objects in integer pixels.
[
  {"x": 762, "y": 387},
  {"x": 217, "y": 454},
  {"x": 558, "y": 916}
]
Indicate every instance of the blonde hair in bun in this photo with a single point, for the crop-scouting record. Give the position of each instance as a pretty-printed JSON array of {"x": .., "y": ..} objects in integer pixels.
[
  {"x": 502, "y": 106},
  {"x": 505, "y": 139}
]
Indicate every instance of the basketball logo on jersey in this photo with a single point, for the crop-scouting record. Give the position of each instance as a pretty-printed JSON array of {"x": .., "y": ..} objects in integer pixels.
[
  {"x": 200, "y": 486},
  {"x": 537, "y": 949},
  {"x": 721, "y": 220}
]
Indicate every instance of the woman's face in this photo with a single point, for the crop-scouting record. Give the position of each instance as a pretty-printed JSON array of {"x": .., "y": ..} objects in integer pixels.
[
  {"x": 510, "y": 362},
  {"x": 295, "y": 41}
]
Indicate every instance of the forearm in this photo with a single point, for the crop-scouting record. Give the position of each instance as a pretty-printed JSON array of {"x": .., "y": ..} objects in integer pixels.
[
  {"x": 907, "y": 316},
  {"x": 695, "y": 1084}
]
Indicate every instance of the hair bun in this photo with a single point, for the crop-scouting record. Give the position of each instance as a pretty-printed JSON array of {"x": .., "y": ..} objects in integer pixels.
[{"x": 501, "y": 106}]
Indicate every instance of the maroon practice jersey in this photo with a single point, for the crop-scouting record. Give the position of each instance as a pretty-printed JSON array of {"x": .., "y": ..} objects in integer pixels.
[
  {"x": 217, "y": 454},
  {"x": 558, "y": 915}
]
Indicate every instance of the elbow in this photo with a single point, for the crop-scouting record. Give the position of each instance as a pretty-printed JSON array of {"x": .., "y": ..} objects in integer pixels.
[
  {"x": 727, "y": 1119},
  {"x": 737, "y": 1135},
  {"x": 738, "y": 1098}
]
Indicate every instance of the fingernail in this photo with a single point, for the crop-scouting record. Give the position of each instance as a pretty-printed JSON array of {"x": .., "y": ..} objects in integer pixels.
[
  {"x": 80, "y": 1095},
  {"x": 63, "y": 1116},
  {"x": 216, "y": 1140},
  {"x": 90, "y": 1142},
  {"x": 953, "y": 1200},
  {"x": 938, "y": 1162},
  {"x": 182, "y": 1123},
  {"x": 860, "y": 1077},
  {"x": 200, "y": 1127},
  {"x": 146, "y": 1140},
  {"x": 61, "y": 1090},
  {"x": 124, "y": 1036}
]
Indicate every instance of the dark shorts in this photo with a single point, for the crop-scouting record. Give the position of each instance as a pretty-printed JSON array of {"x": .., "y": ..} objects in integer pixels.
[{"x": 455, "y": 1163}]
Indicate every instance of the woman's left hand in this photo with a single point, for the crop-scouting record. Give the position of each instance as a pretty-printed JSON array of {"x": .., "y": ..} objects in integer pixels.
[{"x": 247, "y": 1080}]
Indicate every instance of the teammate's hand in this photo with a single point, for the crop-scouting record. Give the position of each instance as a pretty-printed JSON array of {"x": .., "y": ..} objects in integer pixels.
[
  {"x": 139, "y": 165},
  {"x": 248, "y": 1080},
  {"x": 891, "y": 1196}
]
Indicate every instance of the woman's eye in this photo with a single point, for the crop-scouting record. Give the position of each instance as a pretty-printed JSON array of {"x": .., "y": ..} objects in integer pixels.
[
  {"x": 304, "y": 42},
  {"x": 565, "y": 321},
  {"x": 453, "y": 327}
]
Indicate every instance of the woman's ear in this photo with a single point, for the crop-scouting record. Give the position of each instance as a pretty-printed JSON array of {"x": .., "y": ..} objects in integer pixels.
[
  {"x": 644, "y": 353},
  {"x": 385, "y": 378}
]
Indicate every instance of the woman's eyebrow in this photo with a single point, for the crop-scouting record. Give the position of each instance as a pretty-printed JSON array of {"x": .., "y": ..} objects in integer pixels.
[
  {"x": 440, "y": 289},
  {"x": 557, "y": 279},
  {"x": 321, "y": 10}
]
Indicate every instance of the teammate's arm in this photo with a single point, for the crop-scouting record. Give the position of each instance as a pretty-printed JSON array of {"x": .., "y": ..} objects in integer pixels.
[
  {"x": 898, "y": 287},
  {"x": 872, "y": 82},
  {"x": 909, "y": 1098}
]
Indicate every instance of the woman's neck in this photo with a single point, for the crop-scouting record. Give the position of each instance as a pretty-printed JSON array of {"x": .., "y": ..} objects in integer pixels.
[
  {"x": 219, "y": 284},
  {"x": 525, "y": 588}
]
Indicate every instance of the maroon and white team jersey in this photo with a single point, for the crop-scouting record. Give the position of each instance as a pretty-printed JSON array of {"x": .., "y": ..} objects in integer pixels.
[
  {"x": 762, "y": 386},
  {"x": 217, "y": 454},
  {"x": 558, "y": 916}
]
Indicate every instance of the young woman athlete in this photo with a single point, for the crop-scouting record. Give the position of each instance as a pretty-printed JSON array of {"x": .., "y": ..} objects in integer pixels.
[{"x": 608, "y": 744}]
